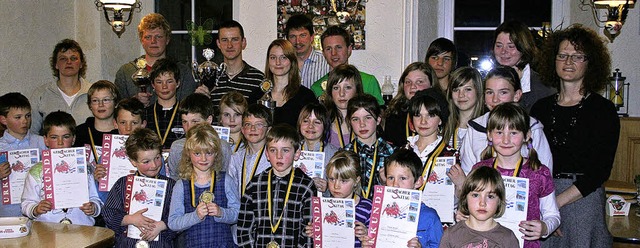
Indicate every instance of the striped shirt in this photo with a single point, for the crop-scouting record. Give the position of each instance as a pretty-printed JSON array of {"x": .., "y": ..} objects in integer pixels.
[
  {"x": 363, "y": 214},
  {"x": 247, "y": 83},
  {"x": 314, "y": 68}
]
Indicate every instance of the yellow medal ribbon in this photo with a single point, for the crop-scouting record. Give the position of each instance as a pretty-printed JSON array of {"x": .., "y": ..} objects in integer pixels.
[
  {"x": 516, "y": 172},
  {"x": 455, "y": 139},
  {"x": 408, "y": 131},
  {"x": 93, "y": 146},
  {"x": 428, "y": 165},
  {"x": 155, "y": 118},
  {"x": 193, "y": 187},
  {"x": 286, "y": 199},
  {"x": 235, "y": 149},
  {"x": 373, "y": 167},
  {"x": 244, "y": 168},
  {"x": 341, "y": 139},
  {"x": 321, "y": 147}
]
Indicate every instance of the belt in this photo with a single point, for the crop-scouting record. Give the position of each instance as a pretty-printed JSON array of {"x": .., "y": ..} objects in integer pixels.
[{"x": 573, "y": 176}]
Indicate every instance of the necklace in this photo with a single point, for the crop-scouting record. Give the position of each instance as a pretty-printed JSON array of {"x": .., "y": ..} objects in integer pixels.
[{"x": 559, "y": 138}]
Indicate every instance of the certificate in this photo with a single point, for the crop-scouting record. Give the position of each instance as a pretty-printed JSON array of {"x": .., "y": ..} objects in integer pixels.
[
  {"x": 115, "y": 160},
  {"x": 333, "y": 221},
  {"x": 144, "y": 192},
  {"x": 223, "y": 132},
  {"x": 91, "y": 158},
  {"x": 20, "y": 162},
  {"x": 312, "y": 163},
  {"x": 394, "y": 216},
  {"x": 64, "y": 174},
  {"x": 517, "y": 203},
  {"x": 439, "y": 190}
]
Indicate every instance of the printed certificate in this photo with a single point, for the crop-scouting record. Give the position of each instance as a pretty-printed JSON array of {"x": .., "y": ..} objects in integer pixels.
[
  {"x": 394, "y": 216},
  {"x": 65, "y": 177},
  {"x": 147, "y": 193},
  {"x": 91, "y": 159},
  {"x": 223, "y": 132},
  {"x": 312, "y": 163},
  {"x": 333, "y": 221},
  {"x": 115, "y": 160},
  {"x": 20, "y": 162},
  {"x": 439, "y": 190},
  {"x": 517, "y": 198}
]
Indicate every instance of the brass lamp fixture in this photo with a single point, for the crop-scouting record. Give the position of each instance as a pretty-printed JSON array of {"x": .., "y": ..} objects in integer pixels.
[
  {"x": 115, "y": 12},
  {"x": 618, "y": 92},
  {"x": 617, "y": 14}
]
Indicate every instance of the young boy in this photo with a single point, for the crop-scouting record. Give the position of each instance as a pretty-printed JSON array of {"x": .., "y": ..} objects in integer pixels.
[
  {"x": 102, "y": 98},
  {"x": 15, "y": 116},
  {"x": 194, "y": 109},
  {"x": 277, "y": 203},
  {"x": 162, "y": 115},
  {"x": 59, "y": 129},
  {"x": 144, "y": 149}
]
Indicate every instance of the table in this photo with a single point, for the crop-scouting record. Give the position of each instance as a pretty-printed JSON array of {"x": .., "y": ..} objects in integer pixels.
[
  {"x": 625, "y": 229},
  {"x": 44, "y": 234}
]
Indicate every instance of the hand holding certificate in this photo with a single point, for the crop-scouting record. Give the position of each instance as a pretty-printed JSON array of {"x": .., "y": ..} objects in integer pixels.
[
  {"x": 517, "y": 204},
  {"x": 144, "y": 193},
  {"x": 115, "y": 160},
  {"x": 20, "y": 162},
  {"x": 394, "y": 216},
  {"x": 333, "y": 221},
  {"x": 439, "y": 191},
  {"x": 65, "y": 177}
]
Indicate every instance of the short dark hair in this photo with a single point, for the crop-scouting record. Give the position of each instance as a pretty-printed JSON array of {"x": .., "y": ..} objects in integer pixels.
[
  {"x": 430, "y": 104},
  {"x": 232, "y": 24},
  {"x": 297, "y": 22},
  {"x": 365, "y": 101},
  {"x": 336, "y": 31},
  {"x": 478, "y": 179},
  {"x": 405, "y": 158},
  {"x": 196, "y": 103},
  {"x": 443, "y": 45},
  {"x": 133, "y": 105},
  {"x": 258, "y": 111},
  {"x": 163, "y": 66},
  {"x": 59, "y": 119},
  {"x": 63, "y": 46},
  {"x": 13, "y": 100},
  {"x": 506, "y": 73},
  {"x": 103, "y": 85},
  {"x": 520, "y": 35},
  {"x": 284, "y": 132},
  {"x": 142, "y": 139}
]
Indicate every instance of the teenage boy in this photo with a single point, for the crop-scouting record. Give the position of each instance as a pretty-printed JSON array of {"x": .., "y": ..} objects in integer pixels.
[
  {"x": 162, "y": 116},
  {"x": 145, "y": 153},
  {"x": 15, "y": 116},
  {"x": 193, "y": 110},
  {"x": 60, "y": 132},
  {"x": 277, "y": 202},
  {"x": 102, "y": 98}
]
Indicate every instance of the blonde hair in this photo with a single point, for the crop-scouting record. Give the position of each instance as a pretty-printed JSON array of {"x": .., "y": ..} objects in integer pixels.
[
  {"x": 346, "y": 165},
  {"x": 200, "y": 138}
]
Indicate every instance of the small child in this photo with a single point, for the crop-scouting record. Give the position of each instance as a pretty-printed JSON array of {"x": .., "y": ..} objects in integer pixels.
[
  {"x": 193, "y": 110},
  {"x": 15, "y": 115},
  {"x": 232, "y": 106},
  {"x": 313, "y": 126},
  {"x": 161, "y": 116},
  {"x": 363, "y": 114},
  {"x": 482, "y": 198},
  {"x": 144, "y": 151},
  {"x": 277, "y": 202},
  {"x": 129, "y": 116},
  {"x": 205, "y": 201},
  {"x": 102, "y": 98},
  {"x": 344, "y": 82},
  {"x": 343, "y": 173},
  {"x": 59, "y": 129}
]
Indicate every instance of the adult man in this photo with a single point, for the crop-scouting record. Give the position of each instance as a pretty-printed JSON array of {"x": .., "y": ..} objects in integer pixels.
[
  {"x": 154, "y": 33},
  {"x": 239, "y": 75},
  {"x": 311, "y": 63},
  {"x": 336, "y": 48}
]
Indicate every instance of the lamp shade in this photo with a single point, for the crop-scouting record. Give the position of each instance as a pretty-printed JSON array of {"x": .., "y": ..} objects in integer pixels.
[
  {"x": 118, "y": 4},
  {"x": 612, "y": 3}
]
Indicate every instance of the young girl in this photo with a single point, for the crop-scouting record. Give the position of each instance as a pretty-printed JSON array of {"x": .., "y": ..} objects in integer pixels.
[
  {"x": 344, "y": 83},
  {"x": 232, "y": 106},
  {"x": 467, "y": 98},
  {"x": 343, "y": 173},
  {"x": 502, "y": 85},
  {"x": 363, "y": 114},
  {"x": 313, "y": 125},
  {"x": 482, "y": 198},
  {"x": 508, "y": 131},
  {"x": 205, "y": 201}
]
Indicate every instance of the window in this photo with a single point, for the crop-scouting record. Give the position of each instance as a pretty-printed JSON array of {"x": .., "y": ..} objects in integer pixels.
[{"x": 178, "y": 12}]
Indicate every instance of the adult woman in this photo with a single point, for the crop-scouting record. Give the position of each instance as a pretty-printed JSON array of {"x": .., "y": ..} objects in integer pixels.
[
  {"x": 514, "y": 47},
  {"x": 69, "y": 92},
  {"x": 466, "y": 100},
  {"x": 442, "y": 56},
  {"x": 282, "y": 70},
  {"x": 416, "y": 77},
  {"x": 583, "y": 130}
]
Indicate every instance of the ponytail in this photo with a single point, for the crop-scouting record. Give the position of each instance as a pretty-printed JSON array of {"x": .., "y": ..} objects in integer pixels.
[
  {"x": 487, "y": 153},
  {"x": 534, "y": 162}
]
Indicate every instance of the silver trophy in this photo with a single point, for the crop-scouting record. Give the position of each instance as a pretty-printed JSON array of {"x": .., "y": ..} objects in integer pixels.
[
  {"x": 267, "y": 86},
  {"x": 141, "y": 76},
  {"x": 207, "y": 73}
]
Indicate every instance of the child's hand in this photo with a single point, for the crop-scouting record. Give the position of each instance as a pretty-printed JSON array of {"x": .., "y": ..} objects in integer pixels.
[
  {"x": 414, "y": 242},
  {"x": 88, "y": 208},
  {"x": 43, "y": 207},
  {"x": 140, "y": 221},
  {"x": 150, "y": 234},
  {"x": 456, "y": 174},
  {"x": 308, "y": 230},
  {"x": 99, "y": 172},
  {"x": 460, "y": 216},
  {"x": 5, "y": 170},
  {"x": 320, "y": 183},
  {"x": 361, "y": 230},
  {"x": 533, "y": 229},
  {"x": 366, "y": 241},
  {"x": 214, "y": 210},
  {"x": 144, "y": 98},
  {"x": 383, "y": 177},
  {"x": 201, "y": 210},
  {"x": 202, "y": 89}
]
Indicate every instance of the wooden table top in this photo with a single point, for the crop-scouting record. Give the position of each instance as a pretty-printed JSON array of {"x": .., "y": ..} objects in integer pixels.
[
  {"x": 44, "y": 234},
  {"x": 625, "y": 229}
]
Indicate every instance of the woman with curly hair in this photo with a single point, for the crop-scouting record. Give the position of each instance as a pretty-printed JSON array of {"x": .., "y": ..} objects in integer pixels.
[{"x": 582, "y": 128}]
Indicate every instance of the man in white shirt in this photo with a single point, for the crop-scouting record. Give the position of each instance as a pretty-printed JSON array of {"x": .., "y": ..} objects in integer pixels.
[{"x": 312, "y": 65}]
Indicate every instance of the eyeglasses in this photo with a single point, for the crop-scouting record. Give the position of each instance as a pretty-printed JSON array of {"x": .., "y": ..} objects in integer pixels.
[
  {"x": 101, "y": 101},
  {"x": 248, "y": 125},
  {"x": 577, "y": 58}
]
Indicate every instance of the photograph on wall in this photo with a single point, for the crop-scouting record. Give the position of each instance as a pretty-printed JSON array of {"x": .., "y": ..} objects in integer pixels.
[{"x": 348, "y": 14}]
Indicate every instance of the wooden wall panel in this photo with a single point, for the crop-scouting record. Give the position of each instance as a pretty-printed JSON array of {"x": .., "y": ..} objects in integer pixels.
[{"x": 627, "y": 162}]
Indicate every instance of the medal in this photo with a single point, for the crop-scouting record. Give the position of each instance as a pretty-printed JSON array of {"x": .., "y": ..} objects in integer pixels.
[
  {"x": 273, "y": 244},
  {"x": 65, "y": 220},
  {"x": 142, "y": 244},
  {"x": 206, "y": 197}
]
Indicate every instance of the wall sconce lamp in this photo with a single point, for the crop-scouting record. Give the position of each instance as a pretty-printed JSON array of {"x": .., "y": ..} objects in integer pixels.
[
  {"x": 616, "y": 16},
  {"x": 116, "y": 10},
  {"x": 618, "y": 92}
]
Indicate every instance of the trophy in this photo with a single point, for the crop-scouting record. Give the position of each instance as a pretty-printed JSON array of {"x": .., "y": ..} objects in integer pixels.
[
  {"x": 207, "y": 73},
  {"x": 266, "y": 86},
  {"x": 141, "y": 76}
]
